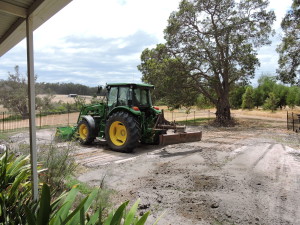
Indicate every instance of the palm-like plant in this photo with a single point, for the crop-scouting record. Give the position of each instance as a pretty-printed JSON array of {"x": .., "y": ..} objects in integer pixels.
[{"x": 17, "y": 206}]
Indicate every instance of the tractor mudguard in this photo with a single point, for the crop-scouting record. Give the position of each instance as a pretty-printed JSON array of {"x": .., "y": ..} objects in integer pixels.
[{"x": 90, "y": 121}]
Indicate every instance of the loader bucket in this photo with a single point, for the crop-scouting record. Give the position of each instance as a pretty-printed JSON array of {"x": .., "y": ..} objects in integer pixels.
[
  {"x": 168, "y": 139},
  {"x": 65, "y": 133}
]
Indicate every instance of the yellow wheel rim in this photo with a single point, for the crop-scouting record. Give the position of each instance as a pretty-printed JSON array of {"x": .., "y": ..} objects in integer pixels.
[
  {"x": 118, "y": 133},
  {"x": 83, "y": 131}
]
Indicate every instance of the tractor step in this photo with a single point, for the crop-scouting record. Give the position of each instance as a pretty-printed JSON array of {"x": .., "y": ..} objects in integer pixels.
[{"x": 168, "y": 139}]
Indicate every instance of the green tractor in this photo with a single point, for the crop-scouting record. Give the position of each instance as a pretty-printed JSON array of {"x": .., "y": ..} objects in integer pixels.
[{"x": 126, "y": 119}]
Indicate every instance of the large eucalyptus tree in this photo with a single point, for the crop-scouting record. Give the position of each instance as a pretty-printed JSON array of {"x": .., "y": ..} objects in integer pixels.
[{"x": 217, "y": 41}]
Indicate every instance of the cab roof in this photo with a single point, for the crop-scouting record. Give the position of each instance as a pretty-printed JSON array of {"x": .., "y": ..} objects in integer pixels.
[{"x": 134, "y": 85}]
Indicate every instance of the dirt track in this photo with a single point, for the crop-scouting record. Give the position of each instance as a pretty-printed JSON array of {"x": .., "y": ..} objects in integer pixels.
[
  {"x": 249, "y": 174},
  {"x": 233, "y": 176}
]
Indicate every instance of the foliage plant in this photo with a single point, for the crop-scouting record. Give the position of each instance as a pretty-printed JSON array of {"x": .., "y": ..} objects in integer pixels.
[
  {"x": 17, "y": 206},
  {"x": 15, "y": 188},
  {"x": 60, "y": 211},
  {"x": 59, "y": 162}
]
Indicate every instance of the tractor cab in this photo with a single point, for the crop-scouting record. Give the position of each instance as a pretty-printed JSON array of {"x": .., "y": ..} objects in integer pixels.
[{"x": 136, "y": 96}]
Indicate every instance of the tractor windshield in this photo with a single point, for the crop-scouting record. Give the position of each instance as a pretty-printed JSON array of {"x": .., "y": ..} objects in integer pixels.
[{"x": 141, "y": 97}]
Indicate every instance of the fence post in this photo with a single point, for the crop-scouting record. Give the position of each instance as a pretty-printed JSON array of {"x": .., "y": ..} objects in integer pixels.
[
  {"x": 68, "y": 116},
  {"x": 293, "y": 121},
  {"x": 287, "y": 120},
  {"x": 3, "y": 121},
  {"x": 40, "y": 119},
  {"x": 186, "y": 119}
]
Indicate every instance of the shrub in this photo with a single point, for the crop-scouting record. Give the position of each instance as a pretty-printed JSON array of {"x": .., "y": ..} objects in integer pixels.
[
  {"x": 17, "y": 206},
  {"x": 15, "y": 189},
  {"x": 59, "y": 162}
]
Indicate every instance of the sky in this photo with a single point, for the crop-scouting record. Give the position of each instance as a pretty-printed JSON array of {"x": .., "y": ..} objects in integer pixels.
[{"x": 94, "y": 42}]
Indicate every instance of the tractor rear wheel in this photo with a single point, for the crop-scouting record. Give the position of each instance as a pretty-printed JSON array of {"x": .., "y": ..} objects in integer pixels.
[
  {"x": 122, "y": 132},
  {"x": 85, "y": 133}
]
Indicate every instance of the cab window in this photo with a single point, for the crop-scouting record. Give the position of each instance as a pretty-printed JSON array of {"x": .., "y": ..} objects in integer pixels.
[
  {"x": 141, "y": 97},
  {"x": 123, "y": 96},
  {"x": 112, "y": 97}
]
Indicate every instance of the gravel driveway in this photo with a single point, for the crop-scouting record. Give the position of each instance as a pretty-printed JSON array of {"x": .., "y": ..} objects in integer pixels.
[
  {"x": 249, "y": 174},
  {"x": 241, "y": 175}
]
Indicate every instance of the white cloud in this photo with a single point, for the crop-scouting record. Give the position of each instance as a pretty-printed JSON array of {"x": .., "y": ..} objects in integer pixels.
[
  {"x": 107, "y": 19},
  {"x": 280, "y": 8},
  {"x": 97, "y": 41}
]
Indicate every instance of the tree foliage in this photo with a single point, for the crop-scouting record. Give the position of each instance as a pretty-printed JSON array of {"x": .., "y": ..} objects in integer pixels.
[
  {"x": 289, "y": 49},
  {"x": 236, "y": 96},
  {"x": 14, "y": 93},
  {"x": 271, "y": 102},
  {"x": 248, "y": 98},
  {"x": 215, "y": 41},
  {"x": 169, "y": 75}
]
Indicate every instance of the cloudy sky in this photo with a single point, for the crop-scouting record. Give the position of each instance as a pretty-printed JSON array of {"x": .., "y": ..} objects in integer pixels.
[{"x": 94, "y": 42}]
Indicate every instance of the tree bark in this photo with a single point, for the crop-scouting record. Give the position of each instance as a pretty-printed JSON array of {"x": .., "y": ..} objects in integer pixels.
[{"x": 223, "y": 116}]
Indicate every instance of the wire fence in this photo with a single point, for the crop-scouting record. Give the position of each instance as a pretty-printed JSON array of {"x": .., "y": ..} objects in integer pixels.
[
  {"x": 10, "y": 121},
  {"x": 293, "y": 121}
]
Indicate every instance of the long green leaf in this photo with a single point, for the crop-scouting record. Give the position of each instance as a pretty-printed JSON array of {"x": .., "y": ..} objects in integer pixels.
[
  {"x": 130, "y": 216},
  {"x": 30, "y": 218},
  {"x": 14, "y": 188},
  {"x": 118, "y": 214},
  {"x": 89, "y": 201},
  {"x": 143, "y": 219},
  {"x": 45, "y": 209},
  {"x": 94, "y": 218},
  {"x": 63, "y": 212},
  {"x": 108, "y": 219},
  {"x": 77, "y": 210},
  {"x": 55, "y": 204}
]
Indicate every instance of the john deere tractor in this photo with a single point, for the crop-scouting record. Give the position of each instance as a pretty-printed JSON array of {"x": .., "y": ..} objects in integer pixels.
[{"x": 126, "y": 119}]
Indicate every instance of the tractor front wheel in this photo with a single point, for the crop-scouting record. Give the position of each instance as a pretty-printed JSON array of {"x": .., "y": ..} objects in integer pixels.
[
  {"x": 122, "y": 132},
  {"x": 85, "y": 133}
]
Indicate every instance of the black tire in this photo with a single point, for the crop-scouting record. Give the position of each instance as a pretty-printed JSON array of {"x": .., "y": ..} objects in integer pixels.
[
  {"x": 85, "y": 133},
  {"x": 125, "y": 132}
]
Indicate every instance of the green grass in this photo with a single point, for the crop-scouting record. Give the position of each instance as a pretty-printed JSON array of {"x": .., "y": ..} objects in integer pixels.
[
  {"x": 7, "y": 134},
  {"x": 82, "y": 187},
  {"x": 103, "y": 193},
  {"x": 196, "y": 122},
  {"x": 4, "y": 136}
]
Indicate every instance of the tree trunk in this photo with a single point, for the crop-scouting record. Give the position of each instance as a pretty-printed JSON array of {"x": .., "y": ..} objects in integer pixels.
[{"x": 223, "y": 117}]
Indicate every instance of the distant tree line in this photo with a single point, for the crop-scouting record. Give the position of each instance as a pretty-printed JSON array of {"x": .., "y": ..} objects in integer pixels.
[
  {"x": 268, "y": 95},
  {"x": 14, "y": 95},
  {"x": 65, "y": 88}
]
